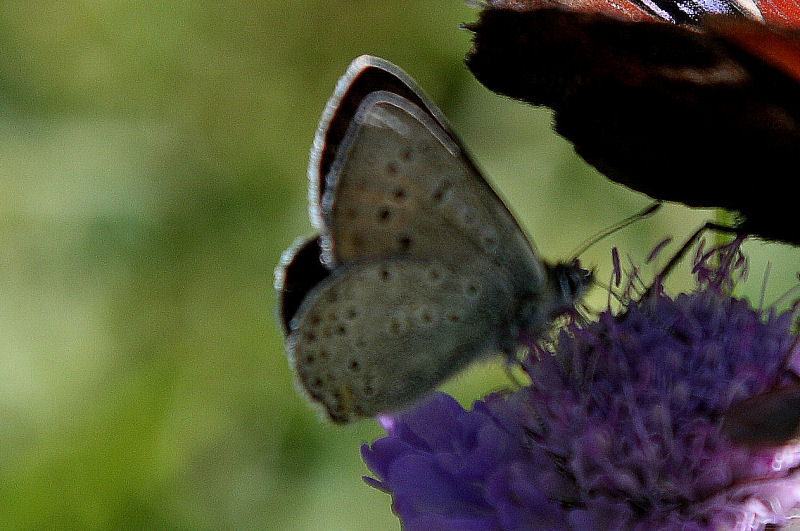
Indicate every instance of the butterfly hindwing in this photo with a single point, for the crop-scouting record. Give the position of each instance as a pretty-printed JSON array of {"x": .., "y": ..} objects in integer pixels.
[{"x": 375, "y": 336}]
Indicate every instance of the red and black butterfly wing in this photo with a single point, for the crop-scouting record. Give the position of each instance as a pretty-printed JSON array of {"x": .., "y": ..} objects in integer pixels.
[{"x": 704, "y": 114}]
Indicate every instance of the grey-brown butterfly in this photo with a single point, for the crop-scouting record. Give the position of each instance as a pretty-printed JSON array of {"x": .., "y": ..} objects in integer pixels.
[{"x": 418, "y": 269}]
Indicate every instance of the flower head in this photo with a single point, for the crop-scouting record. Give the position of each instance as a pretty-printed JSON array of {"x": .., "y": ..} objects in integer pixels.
[{"x": 621, "y": 429}]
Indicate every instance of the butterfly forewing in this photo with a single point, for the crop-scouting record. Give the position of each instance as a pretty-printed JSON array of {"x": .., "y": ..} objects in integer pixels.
[
  {"x": 376, "y": 336},
  {"x": 365, "y": 75},
  {"x": 400, "y": 181}
]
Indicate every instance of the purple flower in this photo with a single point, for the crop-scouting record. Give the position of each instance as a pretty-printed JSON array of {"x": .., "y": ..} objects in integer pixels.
[{"x": 621, "y": 429}]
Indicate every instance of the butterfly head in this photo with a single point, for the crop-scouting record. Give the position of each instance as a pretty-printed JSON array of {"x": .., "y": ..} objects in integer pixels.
[
  {"x": 569, "y": 282},
  {"x": 565, "y": 284}
]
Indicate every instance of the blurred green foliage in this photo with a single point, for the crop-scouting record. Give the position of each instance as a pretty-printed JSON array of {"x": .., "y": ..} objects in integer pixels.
[{"x": 153, "y": 157}]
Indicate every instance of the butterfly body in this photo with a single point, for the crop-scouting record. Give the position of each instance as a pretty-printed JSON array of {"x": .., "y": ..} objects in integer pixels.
[{"x": 428, "y": 269}]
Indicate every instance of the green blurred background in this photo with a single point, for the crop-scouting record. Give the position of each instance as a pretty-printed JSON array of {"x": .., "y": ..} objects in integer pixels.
[{"x": 153, "y": 161}]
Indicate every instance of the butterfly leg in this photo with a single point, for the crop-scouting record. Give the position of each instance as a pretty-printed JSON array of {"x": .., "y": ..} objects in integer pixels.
[
  {"x": 709, "y": 225},
  {"x": 516, "y": 383}
]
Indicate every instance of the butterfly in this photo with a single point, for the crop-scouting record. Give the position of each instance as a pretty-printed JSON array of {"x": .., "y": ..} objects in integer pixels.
[
  {"x": 694, "y": 102},
  {"x": 771, "y": 418},
  {"x": 418, "y": 269}
]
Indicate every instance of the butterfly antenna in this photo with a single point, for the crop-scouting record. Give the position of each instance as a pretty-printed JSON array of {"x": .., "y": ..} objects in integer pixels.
[
  {"x": 764, "y": 288},
  {"x": 655, "y": 205}
]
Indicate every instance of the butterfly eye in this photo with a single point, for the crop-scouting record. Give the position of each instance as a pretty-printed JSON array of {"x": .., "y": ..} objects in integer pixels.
[
  {"x": 569, "y": 284},
  {"x": 572, "y": 280}
]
